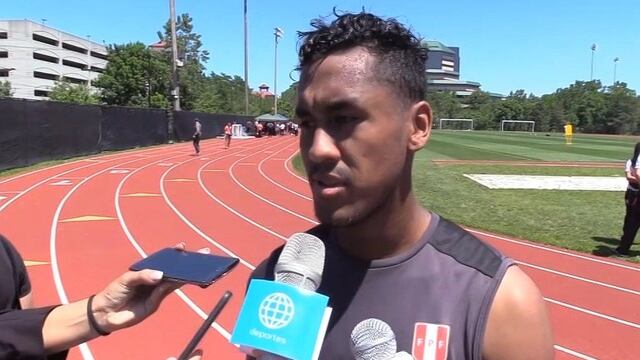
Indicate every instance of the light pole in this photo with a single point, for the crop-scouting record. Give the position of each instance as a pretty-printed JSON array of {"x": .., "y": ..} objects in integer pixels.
[
  {"x": 278, "y": 34},
  {"x": 246, "y": 62},
  {"x": 594, "y": 47},
  {"x": 615, "y": 65}
]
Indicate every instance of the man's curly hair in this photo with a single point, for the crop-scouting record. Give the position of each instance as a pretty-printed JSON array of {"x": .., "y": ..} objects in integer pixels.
[{"x": 401, "y": 58}]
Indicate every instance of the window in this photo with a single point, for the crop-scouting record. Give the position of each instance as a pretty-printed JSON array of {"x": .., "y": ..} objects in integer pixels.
[
  {"x": 4, "y": 54},
  {"x": 97, "y": 69},
  {"x": 41, "y": 93},
  {"x": 74, "y": 80},
  {"x": 47, "y": 76},
  {"x": 74, "y": 64},
  {"x": 4, "y": 73},
  {"x": 4, "y": 35},
  {"x": 74, "y": 48},
  {"x": 46, "y": 58},
  {"x": 44, "y": 39},
  {"x": 99, "y": 56}
]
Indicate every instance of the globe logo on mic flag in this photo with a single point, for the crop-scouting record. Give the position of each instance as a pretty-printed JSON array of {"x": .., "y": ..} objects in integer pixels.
[
  {"x": 283, "y": 320},
  {"x": 276, "y": 311}
]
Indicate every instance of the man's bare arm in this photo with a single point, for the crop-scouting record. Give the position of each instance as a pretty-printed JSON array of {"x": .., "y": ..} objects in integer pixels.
[{"x": 518, "y": 327}]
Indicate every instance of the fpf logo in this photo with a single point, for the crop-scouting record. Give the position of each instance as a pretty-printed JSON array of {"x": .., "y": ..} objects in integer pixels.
[{"x": 430, "y": 341}]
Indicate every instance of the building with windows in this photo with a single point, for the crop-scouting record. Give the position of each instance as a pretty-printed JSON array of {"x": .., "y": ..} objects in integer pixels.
[
  {"x": 443, "y": 70},
  {"x": 34, "y": 56}
]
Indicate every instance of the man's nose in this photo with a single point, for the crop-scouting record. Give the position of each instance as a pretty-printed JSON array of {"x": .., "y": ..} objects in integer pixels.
[{"x": 323, "y": 147}]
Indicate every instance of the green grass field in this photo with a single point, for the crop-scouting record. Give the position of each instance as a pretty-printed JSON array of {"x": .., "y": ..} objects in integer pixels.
[{"x": 587, "y": 221}]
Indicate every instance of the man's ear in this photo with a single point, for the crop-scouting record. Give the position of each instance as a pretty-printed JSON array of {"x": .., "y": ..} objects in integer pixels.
[{"x": 421, "y": 121}]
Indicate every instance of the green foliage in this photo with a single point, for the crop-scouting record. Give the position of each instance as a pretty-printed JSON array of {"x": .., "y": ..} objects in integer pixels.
[
  {"x": 191, "y": 74},
  {"x": 287, "y": 101},
  {"x": 135, "y": 76},
  {"x": 73, "y": 93},
  {"x": 588, "y": 105},
  {"x": 5, "y": 89}
]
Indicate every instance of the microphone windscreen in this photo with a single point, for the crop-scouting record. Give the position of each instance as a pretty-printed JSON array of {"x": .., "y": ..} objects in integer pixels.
[
  {"x": 373, "y": 339},
  {"x": 301, "y": 262}
]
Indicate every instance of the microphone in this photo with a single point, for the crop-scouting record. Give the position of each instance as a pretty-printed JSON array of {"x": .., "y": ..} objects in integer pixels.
[
  {"x": 373, "y": 339},
  {"x": 301, "y": 262},
  {"x": 275, "y": 313}
]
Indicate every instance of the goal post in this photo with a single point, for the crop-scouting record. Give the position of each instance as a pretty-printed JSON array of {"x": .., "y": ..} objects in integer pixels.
[
  {"x": 456, "y": 124},
  {"x": 518, "y": 125}
]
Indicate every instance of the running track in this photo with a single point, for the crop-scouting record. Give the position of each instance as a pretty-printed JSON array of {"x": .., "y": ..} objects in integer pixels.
[{"x": 88, "y": 220}]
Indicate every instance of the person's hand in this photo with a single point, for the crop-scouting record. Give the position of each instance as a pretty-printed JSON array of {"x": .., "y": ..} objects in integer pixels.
[
  {"x": 132, "y": 297},
  {"x": 196, "y": 355}
]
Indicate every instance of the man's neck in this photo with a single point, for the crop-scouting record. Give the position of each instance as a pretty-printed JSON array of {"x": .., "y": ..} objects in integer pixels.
[{"x": 389, "y": 231}]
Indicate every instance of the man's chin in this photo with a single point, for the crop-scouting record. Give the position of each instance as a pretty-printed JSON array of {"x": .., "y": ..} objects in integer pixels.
[{"x": 337, "y": 218}]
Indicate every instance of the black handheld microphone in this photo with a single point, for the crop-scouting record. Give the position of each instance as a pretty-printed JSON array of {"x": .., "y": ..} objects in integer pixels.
[{"x": 205, "y": 326}]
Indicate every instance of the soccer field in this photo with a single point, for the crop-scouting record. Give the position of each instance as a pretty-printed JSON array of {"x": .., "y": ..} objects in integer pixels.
[
  {"x": 493, "y": 145},
  {"x": 588, "y": 221}
]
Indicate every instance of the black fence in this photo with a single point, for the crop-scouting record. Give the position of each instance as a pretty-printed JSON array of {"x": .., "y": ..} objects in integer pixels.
[{"x": 34, "y": 131}]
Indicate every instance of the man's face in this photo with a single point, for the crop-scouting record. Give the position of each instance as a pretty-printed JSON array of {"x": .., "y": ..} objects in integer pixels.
[{"x": 354, "y": 136}]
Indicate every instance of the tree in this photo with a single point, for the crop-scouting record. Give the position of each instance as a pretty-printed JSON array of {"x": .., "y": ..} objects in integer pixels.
[
  {"x": 135, "y": 76},
  {"x": 73, "y": 93},
  {"x": 287, "y": 101},
  {"x": 191, "y": 74},
  {"x": 623, "y": 113},
  {"x": 445, "y": 105},
  {"x": 5, "y": 89}
]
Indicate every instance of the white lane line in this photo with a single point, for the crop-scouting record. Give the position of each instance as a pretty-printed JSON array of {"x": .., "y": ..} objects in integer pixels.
[
  {"x": 594, "y": 313},
  {"x": 189, "y": 223},
  {"x": 216, "y": 199},
  {"x": 573, "y": 353},
  {"x": 277, "y": 184},
  {"x": 557, "y": 251},
  {"x": 288, "y": 161},
  {"x": 10, "y": 201},
  {"x": 143, "y": 254},
  {"x": 57, "y": 278},
  {"x": 312, "y": 221},
  {"x": 579, "y": 278}
]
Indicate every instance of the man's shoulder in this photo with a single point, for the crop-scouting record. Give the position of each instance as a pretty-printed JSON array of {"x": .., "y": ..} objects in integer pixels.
[{"x": 465, "y": 248}]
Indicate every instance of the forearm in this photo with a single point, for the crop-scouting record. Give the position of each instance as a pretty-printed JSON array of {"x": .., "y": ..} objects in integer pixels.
[{"x": 67, "y": 326}]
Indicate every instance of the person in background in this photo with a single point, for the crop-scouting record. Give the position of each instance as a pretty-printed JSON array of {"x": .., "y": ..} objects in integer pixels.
[
  {"x": 632, "y": 204},
  {"x": 227, "y": 135},
  {"x": 197, "y": 135}
]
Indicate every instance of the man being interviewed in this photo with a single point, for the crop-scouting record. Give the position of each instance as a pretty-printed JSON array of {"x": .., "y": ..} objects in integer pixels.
[{"x": 363, "y": 117}]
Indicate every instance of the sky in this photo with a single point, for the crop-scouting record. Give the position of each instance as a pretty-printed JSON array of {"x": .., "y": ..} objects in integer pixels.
[{"x": 505, "y": 45}]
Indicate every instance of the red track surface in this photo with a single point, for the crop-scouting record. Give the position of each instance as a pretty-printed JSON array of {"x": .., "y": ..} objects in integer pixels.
[{"x": 244, "y": 202}]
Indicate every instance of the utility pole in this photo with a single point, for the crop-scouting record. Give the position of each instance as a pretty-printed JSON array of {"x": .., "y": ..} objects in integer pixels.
[
  {"x": 175, "y": 91},
  {"x": 278, "y": 34},
  {"x": 246, "y": 62}
]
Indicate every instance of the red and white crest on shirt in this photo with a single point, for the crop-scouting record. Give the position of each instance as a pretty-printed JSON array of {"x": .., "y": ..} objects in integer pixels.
[{"x": 430, "y": 341}]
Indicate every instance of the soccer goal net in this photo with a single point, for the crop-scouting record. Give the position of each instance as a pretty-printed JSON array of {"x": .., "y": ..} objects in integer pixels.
[
  {"x": 518, "y": 125},
  {"x": 456, "y": 124}
]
